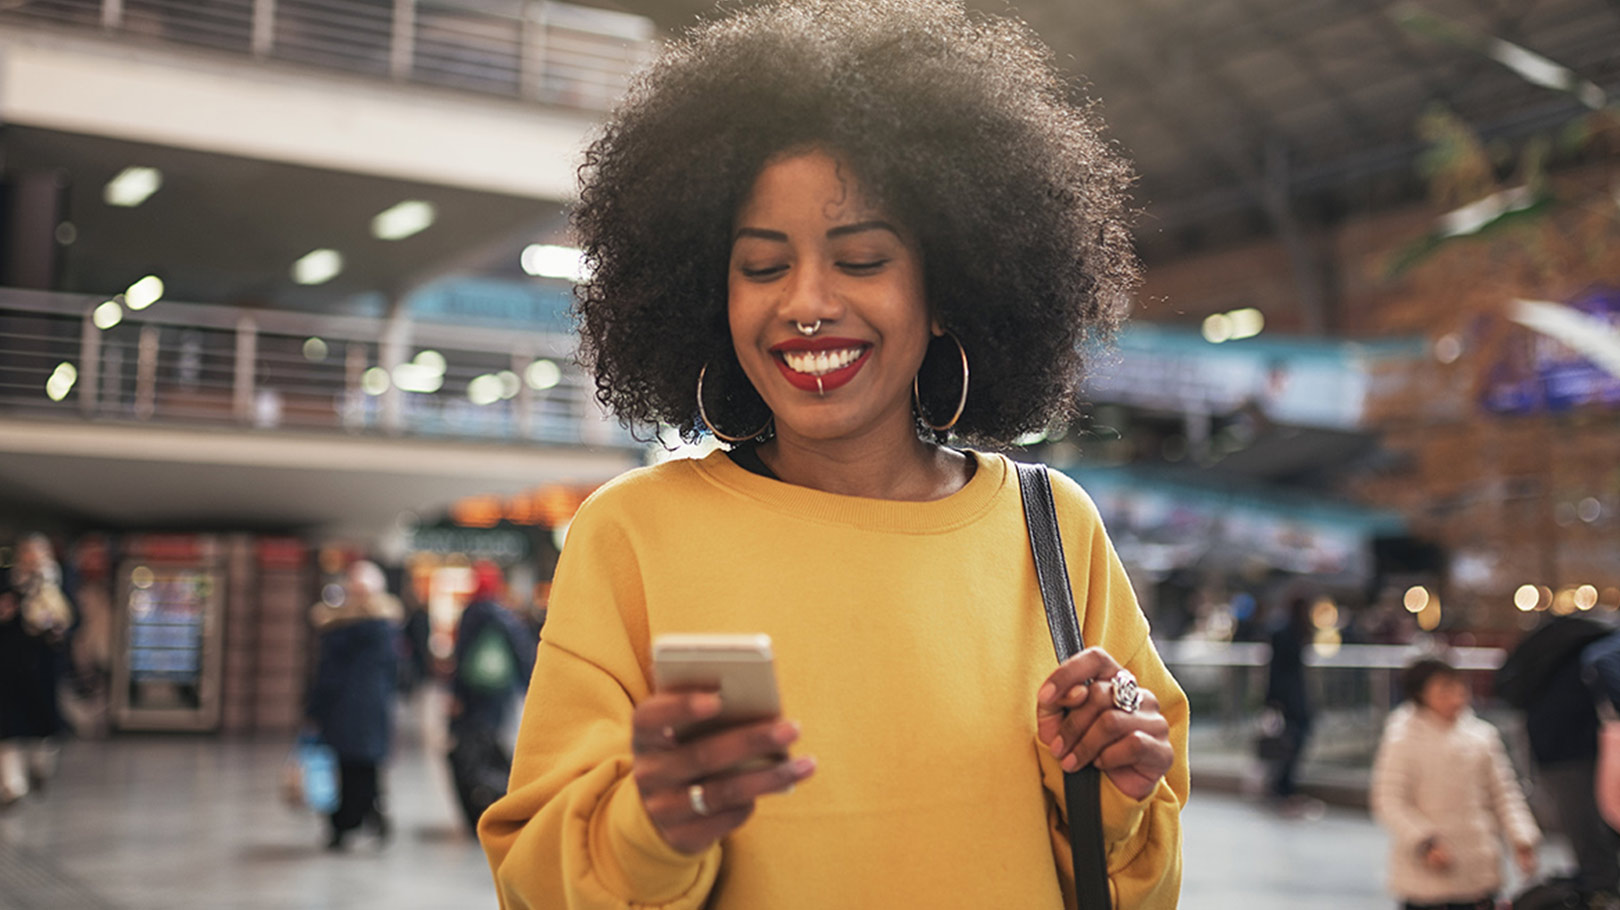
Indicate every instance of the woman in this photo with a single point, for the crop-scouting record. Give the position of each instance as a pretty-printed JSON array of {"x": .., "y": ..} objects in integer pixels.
[
  {"x": 35, "y": 618},
  {"x": 351, "y": 703},
  {"x": 817, "y": 229}
]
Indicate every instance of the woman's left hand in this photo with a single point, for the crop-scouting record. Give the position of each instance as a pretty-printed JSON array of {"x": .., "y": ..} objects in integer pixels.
[{"x": 1078, "y": 719}]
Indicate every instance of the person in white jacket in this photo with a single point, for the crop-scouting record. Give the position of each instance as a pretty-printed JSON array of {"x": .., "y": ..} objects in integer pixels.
[{"x": 1444, "y": 788}]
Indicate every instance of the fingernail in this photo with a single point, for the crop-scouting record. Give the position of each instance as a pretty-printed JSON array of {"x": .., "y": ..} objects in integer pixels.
[
  {"x": 785, "y": 733},
  {"x": 803, "y": 765},
  {"x": 1057, "y": 746},
  {"x": 1048, "y": 692},
  {"x": 1072, "y": 763},
  {"x": 1078, "y": 693},
  {"x": 705, "y": 705}
]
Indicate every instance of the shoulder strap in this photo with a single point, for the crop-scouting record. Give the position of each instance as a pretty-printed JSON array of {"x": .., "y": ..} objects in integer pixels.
[{"x": 1080, "y": 788}]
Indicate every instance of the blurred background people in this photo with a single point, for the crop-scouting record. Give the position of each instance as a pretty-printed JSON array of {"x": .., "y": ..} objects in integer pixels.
[
  {"x": 1287, "y": 694},
  {"x": 1543, "y": 677},
  {"x": 35, "y": 619},
  {"x": 351, "y": 702},
  {"x": 1442, "y": 786},
  {"x": 493, "y": 659}
]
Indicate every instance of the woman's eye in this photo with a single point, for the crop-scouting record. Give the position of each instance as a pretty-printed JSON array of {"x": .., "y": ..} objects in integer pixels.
[
  {"x": 768, "y": 271},
  {"x": 870, "y": 265}
]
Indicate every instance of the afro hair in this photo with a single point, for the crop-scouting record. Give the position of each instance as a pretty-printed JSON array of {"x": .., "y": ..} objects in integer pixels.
[{"x": 957, "y": 126}]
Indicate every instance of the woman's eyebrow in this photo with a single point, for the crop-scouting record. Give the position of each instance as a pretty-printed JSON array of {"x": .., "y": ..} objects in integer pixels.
[
  {"x": 844, "y": 230},
  {"x": 761, "y": 233}
]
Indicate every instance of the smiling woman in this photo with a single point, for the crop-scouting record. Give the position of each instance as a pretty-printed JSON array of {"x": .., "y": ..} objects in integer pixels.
[{"x": 841, "y": 235}]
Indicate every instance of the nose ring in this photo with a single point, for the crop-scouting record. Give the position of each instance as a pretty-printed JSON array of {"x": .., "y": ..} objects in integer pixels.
[{"x": 808, "y": 330}]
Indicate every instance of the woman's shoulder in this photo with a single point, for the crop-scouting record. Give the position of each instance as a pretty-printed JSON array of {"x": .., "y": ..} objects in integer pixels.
[{"x": 635, "y": 487}]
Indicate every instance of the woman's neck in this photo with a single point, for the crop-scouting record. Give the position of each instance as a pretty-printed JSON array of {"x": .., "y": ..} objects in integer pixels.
[{"x": 892, "y": 468}]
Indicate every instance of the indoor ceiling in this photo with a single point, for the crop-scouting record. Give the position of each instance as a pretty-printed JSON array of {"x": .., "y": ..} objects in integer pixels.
[
  {"x": 1217, "y": 100},
  {"x": 226, "y": 229}
]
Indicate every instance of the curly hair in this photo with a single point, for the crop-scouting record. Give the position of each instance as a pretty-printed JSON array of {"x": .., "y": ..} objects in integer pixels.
[{"x": 957, "y": 126}]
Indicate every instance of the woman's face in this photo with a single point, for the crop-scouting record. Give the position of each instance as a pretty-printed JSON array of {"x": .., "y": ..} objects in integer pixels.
[{"x": 807, "y": 247}]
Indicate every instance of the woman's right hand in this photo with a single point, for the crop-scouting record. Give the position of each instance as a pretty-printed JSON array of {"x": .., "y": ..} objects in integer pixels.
[{"x": 676, "y": 777}]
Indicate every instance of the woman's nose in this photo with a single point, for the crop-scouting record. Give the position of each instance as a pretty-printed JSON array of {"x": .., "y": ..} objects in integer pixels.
[{"x": 811, "y": 297}]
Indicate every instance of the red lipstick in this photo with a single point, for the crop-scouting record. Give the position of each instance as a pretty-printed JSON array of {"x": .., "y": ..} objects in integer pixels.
[{"x": 825, "y": 382}]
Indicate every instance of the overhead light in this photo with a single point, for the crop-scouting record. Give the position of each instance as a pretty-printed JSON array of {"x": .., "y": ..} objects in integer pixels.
[
  {"x": 107, "y": 315},
  {"x": 132, "y": 186},
  {"x": 317, "y": 266},
  {"x": 1246, "y": 323},
  {"x": 62, "y": 379},
  {"x": 314, "y": 350},
  {"x": 485, "y": 389},
  {"x": 542, "y": 375},
  {"x": 412, "y": 216},
  {"x": 544, "y": 260},
  {"x": 1526, "y": 598},
  {"x": 375, "y": 381},
  {"x": 1218, "y": 328},
  {"x": 414, "y": 377},
  {"x": 144, "y": 293}
]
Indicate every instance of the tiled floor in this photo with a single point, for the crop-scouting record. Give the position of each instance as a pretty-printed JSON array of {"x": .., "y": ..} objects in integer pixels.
[{"x": 176, "y": 823}]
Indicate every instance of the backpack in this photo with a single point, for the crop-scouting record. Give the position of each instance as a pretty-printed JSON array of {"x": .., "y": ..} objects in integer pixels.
[{"x": 488, "y": 666}]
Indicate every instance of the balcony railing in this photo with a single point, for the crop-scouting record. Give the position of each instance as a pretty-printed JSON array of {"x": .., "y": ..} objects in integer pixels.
[
  {"x": 554, "y": 53},
  {"x": 67, "y": 355}
]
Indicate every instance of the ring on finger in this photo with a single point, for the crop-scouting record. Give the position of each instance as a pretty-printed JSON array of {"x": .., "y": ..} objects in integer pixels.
[
  {"x": 1127, "y": 694},
  {"x": 694, "y": 795}
]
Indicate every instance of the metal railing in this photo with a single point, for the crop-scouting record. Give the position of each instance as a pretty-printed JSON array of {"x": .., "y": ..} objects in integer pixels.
[
  {"x": 555, "y": 53},
  {"x": 1352, "y": 688},
  {"x": 68, "y": 355}
]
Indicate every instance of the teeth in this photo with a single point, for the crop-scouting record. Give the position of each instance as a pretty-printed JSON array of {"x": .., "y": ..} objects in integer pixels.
[{"x": 820, "y": 362}]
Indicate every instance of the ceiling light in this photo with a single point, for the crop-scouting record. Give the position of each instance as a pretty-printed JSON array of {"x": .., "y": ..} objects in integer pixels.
[
  {"x": 1218, "y": 328},
  {"x": 542, "y": 375},
  {"x": 317, "y": 267},
  {"x": 485, "y": 389},
  {"x": 132, "y": 185},
  {"x": 315, "y": 350},
  {"x": 546, "y": 261},
  {"x": 107, "y": 315},
  {"x": 414, "y": 377},
  {"x": 144, "y": 293},
  {"x": 375, "y": 381},
  {"x": 1246, "y": 323},
  {"x": 412, "y": 216}
]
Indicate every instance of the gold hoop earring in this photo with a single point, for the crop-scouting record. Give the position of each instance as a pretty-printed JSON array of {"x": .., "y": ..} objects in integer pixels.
[
  {"x": 703, "y": 415},
  {"x": 961, "y": 402}
]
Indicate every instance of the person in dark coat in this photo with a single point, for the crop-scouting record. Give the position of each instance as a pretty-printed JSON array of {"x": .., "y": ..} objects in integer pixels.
[
  {"x": 351, "y": 703},
  {"x": 494, "y": 655},
  {"x": 1286, "y": 692},
  {"x": 35, "y": 618},
  {"x": 493, "y": 659},
  {"x": 1542, "y": 676}
]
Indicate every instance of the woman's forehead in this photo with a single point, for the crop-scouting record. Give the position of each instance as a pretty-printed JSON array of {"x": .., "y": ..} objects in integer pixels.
[{"x": 807, "y": 185}]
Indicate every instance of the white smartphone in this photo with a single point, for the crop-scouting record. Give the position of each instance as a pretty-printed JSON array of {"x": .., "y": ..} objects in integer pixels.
[{"x": 740, "y": 667}]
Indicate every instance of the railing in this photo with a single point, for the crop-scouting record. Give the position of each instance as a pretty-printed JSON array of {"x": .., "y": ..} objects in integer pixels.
[
  {"x": 68, "y": 355},
  {"x": 537, "y": 50},
  {"x": 1352, "y": 688}
]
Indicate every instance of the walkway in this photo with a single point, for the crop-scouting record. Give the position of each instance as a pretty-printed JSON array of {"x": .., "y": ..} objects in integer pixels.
[{"x": 184, "y": 823}]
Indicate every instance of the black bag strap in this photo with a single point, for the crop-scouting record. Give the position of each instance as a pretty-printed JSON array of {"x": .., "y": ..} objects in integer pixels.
[{"x": 1080, "y": 788}]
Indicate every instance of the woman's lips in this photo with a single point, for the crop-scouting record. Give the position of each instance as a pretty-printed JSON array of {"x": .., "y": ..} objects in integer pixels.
[{"x": 820, "y": 364}]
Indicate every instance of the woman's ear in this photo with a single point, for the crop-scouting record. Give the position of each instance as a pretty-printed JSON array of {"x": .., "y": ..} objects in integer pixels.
[{"x": 937, "y": 329}]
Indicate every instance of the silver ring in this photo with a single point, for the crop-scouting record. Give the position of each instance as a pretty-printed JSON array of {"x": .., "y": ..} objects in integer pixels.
[
  {"x": 809, "y": 330},
  {"x": 694, "y": 795},
  {"x": 1127, "y": 694}
]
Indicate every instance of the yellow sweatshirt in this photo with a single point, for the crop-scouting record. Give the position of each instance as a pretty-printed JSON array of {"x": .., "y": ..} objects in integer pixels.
[{"x": 910, "y": 643}]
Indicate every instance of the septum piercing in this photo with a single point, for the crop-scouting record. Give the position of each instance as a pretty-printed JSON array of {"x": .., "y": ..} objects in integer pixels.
[{"x": 809, "y": 330}]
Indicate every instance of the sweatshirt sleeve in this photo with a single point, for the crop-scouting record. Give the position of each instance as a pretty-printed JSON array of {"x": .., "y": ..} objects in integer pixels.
[
  {"x": 1391, "y": 796},
  {"x": 571, "y": 833},
  {"x": 1142, "y": 838},
  {"x": 1507, "y": 798}
]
